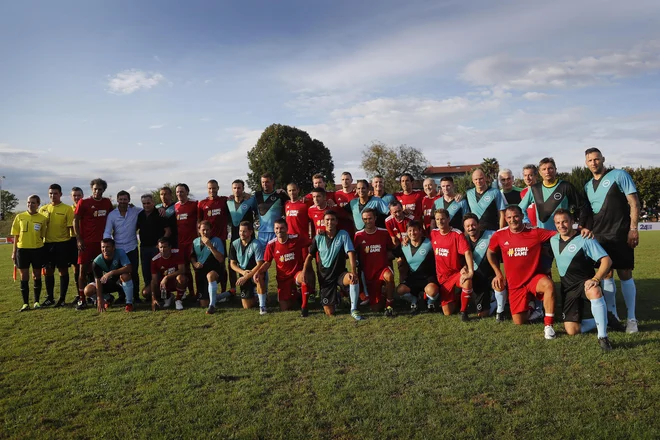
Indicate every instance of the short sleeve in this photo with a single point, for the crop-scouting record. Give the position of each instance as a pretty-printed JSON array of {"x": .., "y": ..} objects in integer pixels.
[
  {"x": 625, "y": 183},
  {"x": 493, "y": 244},
  {"x": 593, "y": 249},
  {"x": 314, "y": 247},
  {"x": 98, "y": 272},
  {"x": 258, "y": 251},
  {"x": 463, "y": 245},
  {"x": 123, "y": 258},
  {"x": 545, "y": 234},
  {"x": 232, "y": 252},
  {"x": 268, "y": 254},
  {"x": 501, "y": 201},
  {"x": 397, "y": 252},
  {"x": 16, "y": 226},
  {"x": 348, "y": 244},
  {"x": 218, "y": 244}
]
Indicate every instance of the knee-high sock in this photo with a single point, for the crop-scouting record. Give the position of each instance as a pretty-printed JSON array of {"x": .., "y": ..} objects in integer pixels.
[
  {"x": 64, "y": 285},
  {"x": 599, "y": 310},
  {"x": 430, "y": 300},
  {"x": 629, "y": 296},
  {"x": 305, "y": 294},
  {"x": 501, "y": 298},
  {"x": 465, "y": 299},
  {"x": 25, "y": 291},
  {"x": 127, "y": 287},
  {"x": 50, "y": 286},
  {"x": 37, "y": 289},
  {"x": 609, "y": 292},
  {"x": 262, "y": 299},
  {"x": 412, "y": 299},
  {"x": 588, "y": 324},
  {"x": 354, "y": 293},
  {"x": 213, "y": 289}
]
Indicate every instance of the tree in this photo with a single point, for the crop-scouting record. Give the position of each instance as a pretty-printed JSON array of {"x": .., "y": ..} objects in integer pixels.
[
  {"x": 9, "y": 202},
  {"x": 647, "y": 181},
  {"x": 156, "y": 193},
  {"x": 290, "y": 155},
  {"x": 491, "y": 168},
  {"x": 578, "y": 176},
  {"x": 392, "y": 162}
]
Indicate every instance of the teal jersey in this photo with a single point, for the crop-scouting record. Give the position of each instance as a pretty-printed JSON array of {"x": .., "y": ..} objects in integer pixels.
[
  {"x": 575, "y": 258},
  {"x": 549, "y": 199},
  {"x": 456, "y": 211},
  {"x": 479, "y": 250},
  {"x": 270, "y": 207},
  {"x": 247, "y": 256},
  {"x": 202, "y": 253},
  {"x": 102, "y": 266},
  {"x": 387, "y": 199},
  {"x": 374, "y": 203},
  {"x": 420, "y": 259},
  {"x": 239, "y": 211},
  {"x": 486, "y": 207},
  {"x": 611, "y": 212}
]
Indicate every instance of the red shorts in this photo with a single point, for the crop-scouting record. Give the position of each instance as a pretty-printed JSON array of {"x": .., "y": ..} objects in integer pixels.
[
  {"x": 519, "y": 298},
  {"x": 92, "y": 250},
  {"x": 185, "y": 249},
  {"x": 447, "y": 285},
  {"x": 287, "y": 289},
  {"x": 375, "y": 287}
]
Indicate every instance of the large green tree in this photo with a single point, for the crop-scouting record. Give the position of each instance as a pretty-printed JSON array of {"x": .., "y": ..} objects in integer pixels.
[
  {"x": 647, "y": 181},
  {"x": 290, "y": 155},
  {"x": 392, "y": 162},
  {"x": 9, "y": 202}
]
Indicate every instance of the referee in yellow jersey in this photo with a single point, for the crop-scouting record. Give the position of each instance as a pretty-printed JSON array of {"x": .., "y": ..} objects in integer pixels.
[{"x": 29, "y": 231}]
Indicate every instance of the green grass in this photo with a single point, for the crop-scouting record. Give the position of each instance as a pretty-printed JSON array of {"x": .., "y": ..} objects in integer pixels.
[{"x": 68, "y": 374}]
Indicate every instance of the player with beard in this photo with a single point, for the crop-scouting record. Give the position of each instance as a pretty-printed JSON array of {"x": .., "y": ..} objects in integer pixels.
[
  {"x": 318, "y": 181},
  {"x": 410, "y": 198}
]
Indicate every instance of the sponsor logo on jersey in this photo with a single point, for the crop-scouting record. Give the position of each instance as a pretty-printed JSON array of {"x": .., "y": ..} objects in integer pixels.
[
  {"x": 422, "y": 252},
  {"x": 571, "y": 248},
  {"x": 244, "y": 207},
  {"x": 214, "y": 212},
  {"x": 556, "y": 196},
  {"x": 488, "y": 198},
  {"x": 518, "y": 252},
  {"x": 372, "y": 248},
  {"x": 182, "y": 216},
  {"x": 292, "y": 213},
  {"x": 606, "y": 183},
  {"x": 410, "y": 207},
  {"x": 482, "y": 245},
  {"x": 287, "y": 257},
  {"x": 442, "y": 252}
]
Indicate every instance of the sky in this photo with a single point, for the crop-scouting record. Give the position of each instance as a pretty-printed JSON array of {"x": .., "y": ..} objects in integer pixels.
[{"x": 146, "y": 92}]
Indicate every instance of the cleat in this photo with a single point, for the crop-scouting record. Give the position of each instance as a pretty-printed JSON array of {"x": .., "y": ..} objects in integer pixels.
[
  {"x": 59, "y": 303},
  {"x": 178, "y": 304},
  {"x": 75, "y": 300},
  {"x": 389, "y": 312},
  {"x": 631, "y": 326},
  {"x": 168, "y": 302},
  {"x": 614, "y": 324},
  {"x": 81, "y": 305},
  {"x": 464, "y": 317},
  {"x": 128, "y": 308},
  {"x": 304, "y": 313},
  {"x": 210, "y": 310},
  {"x": 364, "y": 299},
  {"x": 356, "y": 315},
  {"x": 49, "y": 302},
  {"x": 430, "y": 308},
  {"x": 38, "y": 306},
  {"x": 605, "y": 344},
  {"x": 263, "y": 311},
  {"x": 25, "y": 308},
  {"x": 414, "y": 310},
  {"x": 549, "y": 332},
  {"x": 500, "y": 317}
]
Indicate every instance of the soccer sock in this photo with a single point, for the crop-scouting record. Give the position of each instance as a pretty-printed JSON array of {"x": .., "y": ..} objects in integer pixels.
[
  {"x": 549, "y": 319},
  {"x": 599, "y": 310},
  {"x": 588, "y": 324},
  {"x": 191, "y": 287},
  {"x": 354, "y": 293},
  {"x": 430, "y": 300},
  {"x": 222, "y": 295},
  {"x": 50, "y": 286},
  {"x": 25, "y": 291},
  {"x": 629, "y": 295},
  {"x": 262, "y": 299},
  {"x": 609, "y": 292},
  {"x": 37, "y": 289},
  {"x": 465, "y": 299},
  {"x": 213, "y": 288},
  {"x": 412, "y": 299},
  {"x": 501, "y": 297},
  {"x": 305, "y": 295},
  {"x": 127, "y": 287},
  {"x": 64, "y": 285},
  {"x": 76, "y": 274}
]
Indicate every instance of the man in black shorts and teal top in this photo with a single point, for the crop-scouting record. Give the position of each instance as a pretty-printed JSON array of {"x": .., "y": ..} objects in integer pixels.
[
  {"x": 331, "y": 247},
  {"x": 483, "y": 273},
  {"x": 208, "y": 259},
  {"x": 240, "y": 210},
  {"x": 112, "y": 273},
  {"x": 246, "y": 255}
]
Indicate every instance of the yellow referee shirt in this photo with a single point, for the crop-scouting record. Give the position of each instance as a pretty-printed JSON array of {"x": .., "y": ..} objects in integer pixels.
[
  {"x": 60, "y": 222},
  {"x": 30, "y": 230}
]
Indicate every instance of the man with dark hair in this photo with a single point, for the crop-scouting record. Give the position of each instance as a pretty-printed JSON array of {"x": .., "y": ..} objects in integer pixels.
[
  {"x": 520, "y": 247},
  {"x": 208, "y": 258},
  {"x": 246, "y": 255},
  {"x": 167, "y": 276},
  {"x": 343, "y": 197},
  {"x": 486, "y": 202},
  {"x": 378, "y": 185},
  {"x": 613, "y": 199},
  {"x": 112, "y": 273},
  {"x": 363, "y": 201},
  {"x": 186, "y": 226},
  {"x": 214, "y": 210},
  {"x": 317, "y": 211},
  {"x": 122, "y": 227},
  {"x": 482, "y": 280},
  {"x": 76, "y": 195},
  {"x": 410, "y": 198},
  {"x": 530, "y": 177},
  {"x": 296, "y": 211},
  {"x": 151, "y": 226},
  {"x": 240, "y": 210},
  {"x": 456, "y": 206},
  {"x": 89, "y": 224},
  {"x": 397, "y": 223},
  {"x": 57, "y": 244},
  {"x": 318, "y": 181}
]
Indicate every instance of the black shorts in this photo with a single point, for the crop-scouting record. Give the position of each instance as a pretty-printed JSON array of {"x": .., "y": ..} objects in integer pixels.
[
  {"x": 481, "y": 292},
  {"x": 574, "y": 299},
  {"x": 247, "y": 289},
  {"x": 113, "y": 285},
  {"x": 328, "y": 289},
  {"x": 30, "y": 257},
  {"x": 622, "y": 255},
  {"x": 417, "y": 285},
  {"x": 200, "y": 277},
  {"x": 72, "y": 251},
  {"x": 56, "y": 254}
]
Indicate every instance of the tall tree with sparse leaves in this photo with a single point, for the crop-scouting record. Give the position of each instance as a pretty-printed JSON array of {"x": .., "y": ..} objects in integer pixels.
[
  {"x": 391, "y": 162},
  {"x": 290, "y": 155},
  {"x": 9, "y": 202}
]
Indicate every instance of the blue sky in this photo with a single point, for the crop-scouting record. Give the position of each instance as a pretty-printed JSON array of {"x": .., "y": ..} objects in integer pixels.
[{"x": 146, "y": 92}]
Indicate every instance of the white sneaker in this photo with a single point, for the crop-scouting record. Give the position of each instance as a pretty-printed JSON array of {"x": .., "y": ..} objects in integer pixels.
[
  {"x": 631, "y": 326},
  {"x": 168, "y": 302},
  {"x": 178, "y": 304},
  {"x": 549, "y": 332},
  {"x": 262, "y": 311}
]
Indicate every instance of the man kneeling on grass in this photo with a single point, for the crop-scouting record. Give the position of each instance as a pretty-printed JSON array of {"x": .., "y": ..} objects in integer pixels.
[
  {"x": 208, "y": 259},
  {"x": 112, "y": 273},
  {"x": 247, "y": 256},
  {"x": 167, "y": 276}
]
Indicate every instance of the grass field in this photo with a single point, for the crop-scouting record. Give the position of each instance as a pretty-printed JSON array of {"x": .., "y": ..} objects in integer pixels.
[{"x": 69, "y": 374}]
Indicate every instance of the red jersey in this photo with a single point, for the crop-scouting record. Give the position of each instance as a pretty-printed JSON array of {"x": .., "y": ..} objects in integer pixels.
[
  {"x": 342, "y": 198},
  {"x": 531, "y": 209},
  {"x": 288, "y": 256},
  {"x": 165, "y": 266},
  {"x": 521, "y": 252},
  {"x": 316, "y": 217},
  {"x": 93, "y": 215},
  {"x": 427, "y": 210},
  {"x": 215, "y": 211},
  {"x": 412, "y": 202},
  {"x": 186, "y": 221},
  {"x": 398, "y": 229},
  {"x": 297, "y": 218},
  {"x": 329, "y": 195},
  {"x": 372, "y": 252},
  {"x": 449, "y": 250}
]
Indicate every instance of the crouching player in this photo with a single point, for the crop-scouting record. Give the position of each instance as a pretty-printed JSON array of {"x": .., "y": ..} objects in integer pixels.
[
  {"x": 373, "y": 246},
  {"x": 246, "y": 256},
  {"x": 332, "y": 246},
  {"x": 288, "y": 252},
  {"x": 167, "y": 276},
  {"x": 575, "y": 257},
  {"x": 418, "y": 255},
  {"x": 112, "y": 273},
  {"x": 207, "y": 258}
]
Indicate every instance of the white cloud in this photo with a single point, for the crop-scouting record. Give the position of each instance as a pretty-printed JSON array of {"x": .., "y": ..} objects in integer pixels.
[
  {"x": 132, "y": 80},
  {"x": 156, "y": 126},
  {"x": 535, "y": 96}
]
